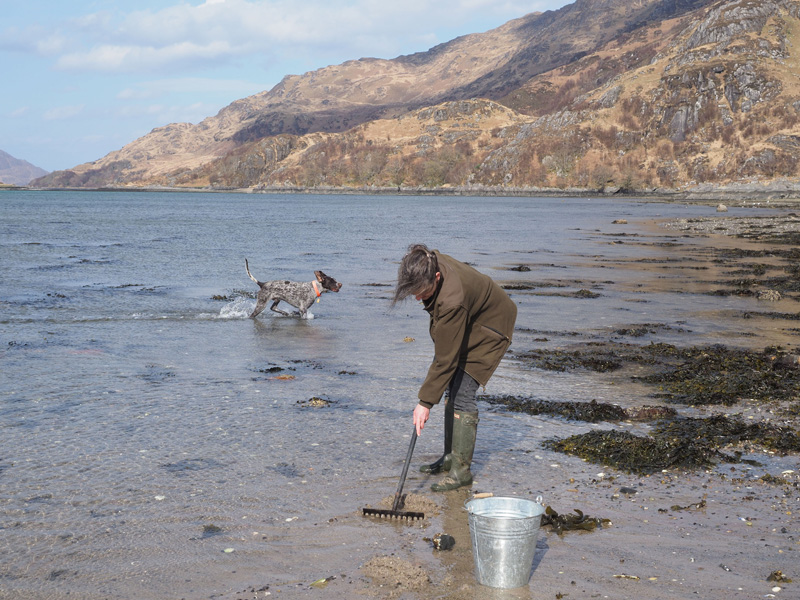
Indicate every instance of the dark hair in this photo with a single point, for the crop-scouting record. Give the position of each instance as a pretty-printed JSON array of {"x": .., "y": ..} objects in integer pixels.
[{"x": 417, "y": 272}]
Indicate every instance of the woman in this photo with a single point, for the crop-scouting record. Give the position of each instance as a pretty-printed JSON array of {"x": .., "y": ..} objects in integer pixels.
[{"x": 471, "y": 323}]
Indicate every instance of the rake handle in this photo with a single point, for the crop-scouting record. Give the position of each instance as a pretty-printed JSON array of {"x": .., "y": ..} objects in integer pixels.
[{"x": 402, "y": 481}]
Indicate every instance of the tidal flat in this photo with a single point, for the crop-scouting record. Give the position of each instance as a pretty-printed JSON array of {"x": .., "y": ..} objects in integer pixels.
[
  {"x": 684, "y": 485},
  {"x": 158, "y": 443}
]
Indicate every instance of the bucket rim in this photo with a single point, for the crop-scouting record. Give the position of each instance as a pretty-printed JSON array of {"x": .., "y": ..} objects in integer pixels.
[{"x": 503, "y": 497}]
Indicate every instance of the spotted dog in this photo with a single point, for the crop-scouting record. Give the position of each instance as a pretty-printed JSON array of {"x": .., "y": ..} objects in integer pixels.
[{"x": 301, "y": 295}]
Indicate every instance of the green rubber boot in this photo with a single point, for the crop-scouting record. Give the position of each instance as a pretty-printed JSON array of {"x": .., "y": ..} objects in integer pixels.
[
  {"x": 443, "y": 464},
  {"x": 465, "y": 431}
]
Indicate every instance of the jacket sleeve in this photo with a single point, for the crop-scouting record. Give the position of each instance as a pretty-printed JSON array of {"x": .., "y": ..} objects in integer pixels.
[{"x": 448, "y": 337}]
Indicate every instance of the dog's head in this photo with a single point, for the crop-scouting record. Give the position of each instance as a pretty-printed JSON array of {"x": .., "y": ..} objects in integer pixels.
[{"x": 327, "y": 283}]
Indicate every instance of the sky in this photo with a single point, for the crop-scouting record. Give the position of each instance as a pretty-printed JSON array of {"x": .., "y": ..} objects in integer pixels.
[{"x": 82, "y": 78}]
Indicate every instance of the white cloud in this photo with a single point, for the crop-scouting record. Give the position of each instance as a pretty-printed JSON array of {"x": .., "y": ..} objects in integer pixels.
[
  {"x": 34, "y": 40},
  {"x": 63, "y": 112},
  {"x": 137, "y": 58},
  {"x": 182, "y": 35}
]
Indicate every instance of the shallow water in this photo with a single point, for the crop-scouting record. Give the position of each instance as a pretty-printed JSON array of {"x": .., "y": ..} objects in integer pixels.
[{"x": 144, "y": 430}]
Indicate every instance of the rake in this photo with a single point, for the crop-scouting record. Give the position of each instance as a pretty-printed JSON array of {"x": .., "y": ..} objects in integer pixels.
[{"x": 394, "y": 513}]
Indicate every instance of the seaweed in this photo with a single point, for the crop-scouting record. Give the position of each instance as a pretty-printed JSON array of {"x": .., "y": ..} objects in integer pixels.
[
  {"x": 695, "y": 375},
  {"x": 773, "y": 315},
  {"x": 634, "y": 331},
  {"x": 591, "y": 412},
  {"x": 778, "y": 577},
  {"x": 602, "y": 357},
  {"x": 698, "y": 375},
  {"x": 210, "y": 531},
  {"x": 721, "y": 430},
  {"x": 692, "y": 506},
  {"x": 577, "y": 522},
  {"x": 682, "y": 442},
  {"x": 640, "y": 455},
  {"x": 720, "y": 375},
  {"x": 563, "y": 360},
  {"x": 774, "y": 480}
]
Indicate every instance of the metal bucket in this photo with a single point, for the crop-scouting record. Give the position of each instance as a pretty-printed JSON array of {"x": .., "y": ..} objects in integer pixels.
[{"x": 503, "y": 531}]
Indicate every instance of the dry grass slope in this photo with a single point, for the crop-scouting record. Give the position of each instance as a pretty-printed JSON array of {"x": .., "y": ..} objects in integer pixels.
[{"x": 708, "y": 95}]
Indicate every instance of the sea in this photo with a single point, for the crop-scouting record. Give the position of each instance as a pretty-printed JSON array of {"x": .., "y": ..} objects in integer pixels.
[{"x": 156, "y": 442}]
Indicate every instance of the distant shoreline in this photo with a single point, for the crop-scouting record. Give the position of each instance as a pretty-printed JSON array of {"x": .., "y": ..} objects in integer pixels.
[{"x": 774, "y": 195}]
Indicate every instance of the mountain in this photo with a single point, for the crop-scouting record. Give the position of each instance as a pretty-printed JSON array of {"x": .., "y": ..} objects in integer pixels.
[
  {"x": 14, "y": 171},
  {"x": 601, "y": 94}
]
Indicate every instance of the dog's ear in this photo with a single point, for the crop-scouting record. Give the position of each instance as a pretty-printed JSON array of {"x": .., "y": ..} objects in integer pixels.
[{"x": 329, "y": 283}]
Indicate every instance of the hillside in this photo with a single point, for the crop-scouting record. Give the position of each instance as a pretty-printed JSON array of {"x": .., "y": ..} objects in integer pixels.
[
  {"x": 15, "y": 171},
  {"x": 601, "y": 95}
]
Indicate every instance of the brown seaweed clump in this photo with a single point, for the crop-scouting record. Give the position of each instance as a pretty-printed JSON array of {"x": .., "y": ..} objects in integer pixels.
[
  {"x": 640, "y": 455},
  {"x": 698, "y": 375},
  {"x": 569, "y": 522},
  {"x": 721, "y": 431},
  {"x": 568, "y": 360},
  {"x": 721, "y": 375},
  {"x": 602, "y": 357},
  {"x": 678, "y": 443},
  {"x": 591, "y": 412},
  {"x": 778, "y": 577}
]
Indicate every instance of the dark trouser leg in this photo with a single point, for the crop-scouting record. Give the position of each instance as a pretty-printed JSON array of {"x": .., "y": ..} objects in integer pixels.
[
  {"x": 443, "y": 463},
  {"x": 463, "y": 392}
]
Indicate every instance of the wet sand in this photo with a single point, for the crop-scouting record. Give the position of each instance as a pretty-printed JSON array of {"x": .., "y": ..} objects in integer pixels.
[{"x": 731, "y": 530}]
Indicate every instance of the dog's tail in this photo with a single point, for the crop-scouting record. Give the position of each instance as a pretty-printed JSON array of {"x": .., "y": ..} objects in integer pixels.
[{"x": 247, "y": 267}]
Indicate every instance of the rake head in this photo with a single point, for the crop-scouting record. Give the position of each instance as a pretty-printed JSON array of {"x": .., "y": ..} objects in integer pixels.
[{"x": 392, "y": 514}]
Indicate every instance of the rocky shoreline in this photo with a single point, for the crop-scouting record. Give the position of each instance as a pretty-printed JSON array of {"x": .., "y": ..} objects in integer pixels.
[{"x": 776, "y": 194}]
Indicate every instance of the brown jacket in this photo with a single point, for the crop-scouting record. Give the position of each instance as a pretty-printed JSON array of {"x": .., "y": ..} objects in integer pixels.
[{"x": 471, "y": 323}]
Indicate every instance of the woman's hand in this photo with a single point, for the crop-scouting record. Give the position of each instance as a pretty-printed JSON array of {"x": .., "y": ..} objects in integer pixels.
[{"x": 421, "y": 415}]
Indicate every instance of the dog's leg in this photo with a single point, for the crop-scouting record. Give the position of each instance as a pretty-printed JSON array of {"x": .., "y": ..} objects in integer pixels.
[
  {"x": 260, "y": 305},
  {"x": 275, "y": 308}
]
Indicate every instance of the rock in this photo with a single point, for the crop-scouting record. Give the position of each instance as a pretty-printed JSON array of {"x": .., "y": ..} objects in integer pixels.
[
  {"x": 443, "y": 541},
  {"x": 650, "y": 413},
  {"x": 722, "y": 208},
  {"x": 315, "y": 402},
  {"x": 787, "y": 361},
  {"x": 771, "y": 295}
]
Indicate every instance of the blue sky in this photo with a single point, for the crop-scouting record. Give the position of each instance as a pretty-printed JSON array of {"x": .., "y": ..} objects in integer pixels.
[{"x": 85, "y": 77}]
